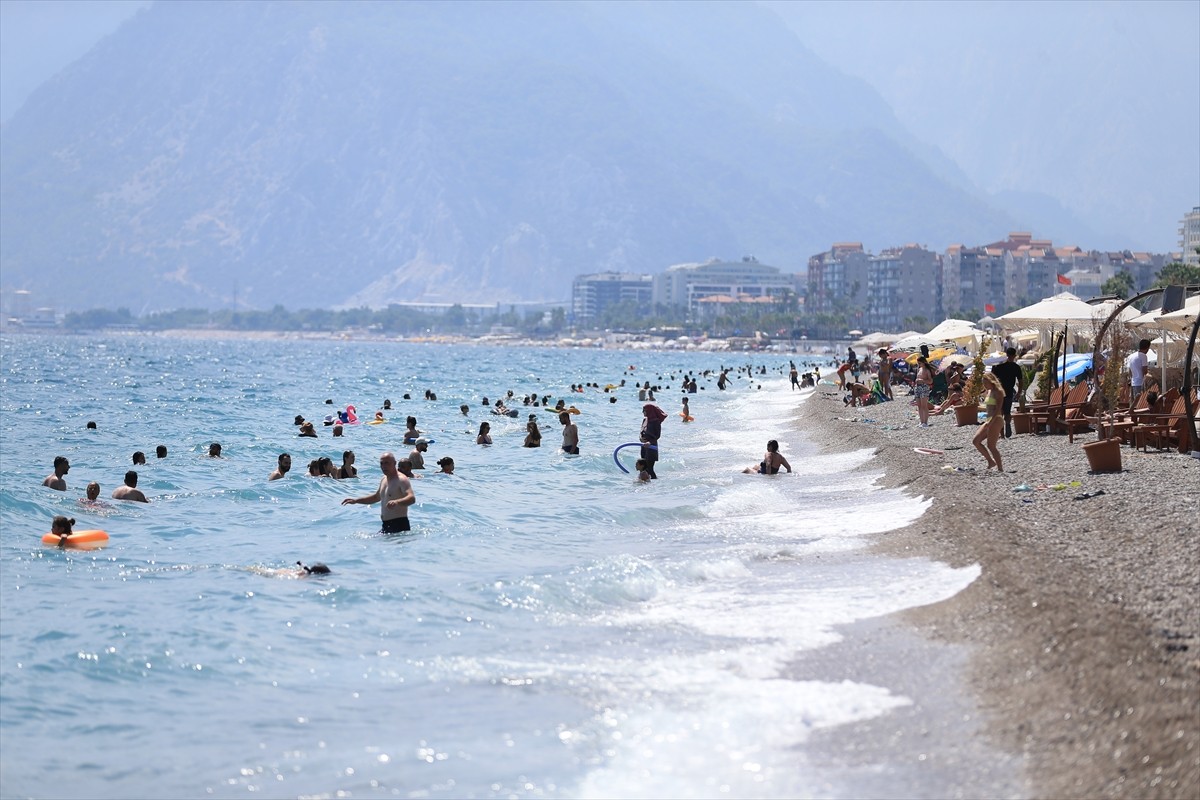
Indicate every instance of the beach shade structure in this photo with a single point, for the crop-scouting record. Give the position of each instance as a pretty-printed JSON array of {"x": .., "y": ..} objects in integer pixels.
[
  {"x": 1180, "y": 321},
  {"x": 955, "y": 330},
  {"x": 934, "y": 354},
  {"x": 1072, "y": 365},
  {"x": 955, "y": 358},
  {"x": 854, "y": 333},
  {"x": 876, "y": 340},
  {"x": 914, "y": 342},
  {"x": 1056, "y": 311}
]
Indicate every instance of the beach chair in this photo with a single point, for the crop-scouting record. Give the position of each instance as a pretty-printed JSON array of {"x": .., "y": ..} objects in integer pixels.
[
  {"x": 1049, "y": 416},
  {"x": 937, "y": 392},
  {"x": 1163, "y": 430}
]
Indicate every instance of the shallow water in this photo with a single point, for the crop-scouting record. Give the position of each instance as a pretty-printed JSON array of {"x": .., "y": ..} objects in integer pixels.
[{"x": 548, "y": 628}]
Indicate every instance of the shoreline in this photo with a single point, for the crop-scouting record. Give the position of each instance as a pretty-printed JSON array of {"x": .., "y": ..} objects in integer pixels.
[{"x": 1082, "y": 631}]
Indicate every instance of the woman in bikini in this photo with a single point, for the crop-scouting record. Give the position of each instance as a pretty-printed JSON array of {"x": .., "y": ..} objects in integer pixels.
[
  {"x": 989, "y": 432},
  {"x": 771, "y": 462}
]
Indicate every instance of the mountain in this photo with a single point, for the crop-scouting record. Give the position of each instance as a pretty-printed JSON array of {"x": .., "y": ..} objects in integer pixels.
[{"x": 317, "y": 154}]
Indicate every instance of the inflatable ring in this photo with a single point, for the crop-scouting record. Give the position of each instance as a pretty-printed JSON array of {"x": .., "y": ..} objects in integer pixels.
[
  {"x": 621, "y": 447},
  {"x": 85, "y": 540}
]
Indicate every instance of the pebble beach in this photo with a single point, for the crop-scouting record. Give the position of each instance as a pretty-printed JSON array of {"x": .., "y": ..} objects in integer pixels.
[{"x": 1081, "y": 635}]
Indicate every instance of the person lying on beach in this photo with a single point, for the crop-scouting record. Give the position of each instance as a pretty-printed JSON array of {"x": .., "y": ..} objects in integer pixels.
[
  {"x": 771, "y": 462},
  {"x": 130, "y": 491}
]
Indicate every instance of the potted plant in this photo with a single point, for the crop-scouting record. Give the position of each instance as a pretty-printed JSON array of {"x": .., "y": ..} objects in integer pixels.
[
  {"x": 967, "y": 412},
  {"x": 1105, "y": 455}
]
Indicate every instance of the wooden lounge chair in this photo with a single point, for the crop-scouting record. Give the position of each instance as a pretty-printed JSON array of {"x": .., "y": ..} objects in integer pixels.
[
  {"x": 1052, "y": 415},
  {"x": 1157, "y": 428}
]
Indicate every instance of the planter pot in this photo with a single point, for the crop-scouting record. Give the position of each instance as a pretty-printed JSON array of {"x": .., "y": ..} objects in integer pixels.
[
  {"x": 1022, "y": 422},
  {"x": 966, "y": 415},
  {"x": 1104, "y": 456}
]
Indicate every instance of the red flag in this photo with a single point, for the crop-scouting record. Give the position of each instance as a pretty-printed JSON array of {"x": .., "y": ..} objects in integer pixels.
[
  {"x": 1064, "y": 280},
  {"x": 989, "y": 309}
]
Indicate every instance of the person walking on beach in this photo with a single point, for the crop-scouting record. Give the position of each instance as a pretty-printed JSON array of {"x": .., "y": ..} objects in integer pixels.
[
  {"x": 285, "y": 464},
  {"x": 1013, "y": 381},
  {"x": 57, "y": 481},
  {"x": 130, "y": 491},
  {"x": 921, "y": 387},
  {"x": 989, "y": 432},
  {"x": 652, "y": 419},
  {"x": 394, "y": 492},
  {"x": 570, "y": 440},
  {"x": 885, "y": 373}
]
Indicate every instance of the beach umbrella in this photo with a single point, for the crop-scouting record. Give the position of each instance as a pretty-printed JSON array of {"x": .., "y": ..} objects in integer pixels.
[
  {"x": 955, "y": 358},
  {"x": 914, "y": 342},
  {"x": 955, "y": 330},
  {"x": 1182, "y": 320}
]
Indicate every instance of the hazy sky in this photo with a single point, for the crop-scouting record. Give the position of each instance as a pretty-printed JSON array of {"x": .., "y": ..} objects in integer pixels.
[{"x": 1111, "y": 88}]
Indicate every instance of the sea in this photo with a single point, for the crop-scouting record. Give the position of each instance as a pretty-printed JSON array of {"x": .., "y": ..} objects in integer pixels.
[{"x": 550, "y": 627}]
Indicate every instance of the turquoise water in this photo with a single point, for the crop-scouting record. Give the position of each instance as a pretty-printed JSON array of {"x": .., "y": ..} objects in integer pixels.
[{"x": 548, "y": 628}]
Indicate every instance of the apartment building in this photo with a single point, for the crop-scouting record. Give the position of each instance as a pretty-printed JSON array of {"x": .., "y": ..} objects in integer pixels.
[
  {"x": 684, "y": 285},
  {"x": 1189, "y": 237},
  {"x": 837, "y": 278},
  {"x": 904, "y": 284},
  {"x": 592, "y": 294},
  {"x": 973, "y": 278}
]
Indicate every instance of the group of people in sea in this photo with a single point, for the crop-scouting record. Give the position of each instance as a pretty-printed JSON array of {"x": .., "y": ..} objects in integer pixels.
[{"x": 395, "y": 493}]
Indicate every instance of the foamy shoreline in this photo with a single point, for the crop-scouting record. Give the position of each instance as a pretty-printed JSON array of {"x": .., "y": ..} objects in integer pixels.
[{"x": 1083, "y": 627}]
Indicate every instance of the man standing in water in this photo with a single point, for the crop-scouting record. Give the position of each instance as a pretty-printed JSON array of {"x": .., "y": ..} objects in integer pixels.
[
  {"x": 56, "y": 481},
  {"x": 396, "y": 494},
  {"x": 570, "y": 442},
  {"x": 285, "y": 464},
  {"x": 130, "y": 491}
]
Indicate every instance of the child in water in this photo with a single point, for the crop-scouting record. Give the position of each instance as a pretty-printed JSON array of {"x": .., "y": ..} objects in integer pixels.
[{"x": 643, "y": 472}]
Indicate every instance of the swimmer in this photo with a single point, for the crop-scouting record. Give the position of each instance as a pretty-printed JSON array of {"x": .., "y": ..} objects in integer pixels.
[
  {"x": 643, "y": 474},
  {"x": 417, "y": 456},
  {"x": 771, "y": 462},
  {"x": 404, "y": 467},
  {"x": 56, "y": 481},
  {"x": 387, "y": 405},
  {"x": 411, "y": 433},
  {"x": 307, "y": 429},
  {"x": 161, "y": 451},
  {"x": 139, "y": 458},
  {"x": 130, "y": 491},
  {"x": 570, "y": 440},
  {"x": 465, "y": 409},
  {"x": 533, "y": 436},
  {"x": 91, "y": 426},
  {"x": 315, "y": 569},
  {"x": 485, "y": 436},
  {"x": 337, "y": 429},
  {"x": 285, "y": 465},
  {"x": 214, "y": 450},
  {"x": 379, "y": 417},
  {"x": 93, "y": 492},
  {"x": 447, "y": 466},
  {"x": 686, "y": 413},
  {"x": 396, "y": 495},
  {"x": 347, "y": 470},
  {"x": 61, "y": 527}
]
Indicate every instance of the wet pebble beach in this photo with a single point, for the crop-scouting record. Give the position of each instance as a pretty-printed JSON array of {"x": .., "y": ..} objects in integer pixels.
[{"x": 1082, "y": 631}]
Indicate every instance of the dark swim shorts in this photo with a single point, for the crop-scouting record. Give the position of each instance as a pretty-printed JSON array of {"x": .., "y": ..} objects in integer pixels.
[
  {"x": 573, "y": 451},
  {"x": 397, "y": 525}
]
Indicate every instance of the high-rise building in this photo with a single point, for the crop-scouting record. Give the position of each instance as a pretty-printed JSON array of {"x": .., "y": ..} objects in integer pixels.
[
  {"x": 592, "y": 294},
  {"x": 684, "y": 285},
  {"x": 1189, "y": 237},
  {"x": 904, "y": 289},
  {"x": 837, "y": 279}
]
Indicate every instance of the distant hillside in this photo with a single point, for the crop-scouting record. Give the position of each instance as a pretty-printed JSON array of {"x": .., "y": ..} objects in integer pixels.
[{"x": 316, "y": 154}]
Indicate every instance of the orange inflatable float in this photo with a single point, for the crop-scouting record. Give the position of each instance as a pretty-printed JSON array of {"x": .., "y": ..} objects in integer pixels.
[{"x": 85, "y": 540}]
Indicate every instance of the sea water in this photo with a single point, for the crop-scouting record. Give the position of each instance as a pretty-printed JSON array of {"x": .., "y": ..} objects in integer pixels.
[{"x": 549, "y": 627}]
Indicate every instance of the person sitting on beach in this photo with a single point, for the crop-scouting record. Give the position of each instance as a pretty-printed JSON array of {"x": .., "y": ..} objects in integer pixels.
[
  {"x": 347, "y": 470},
  {"x": 533, "y": 435},
  {"x": 214, "y": 450},
  {"x": 307, "y": 429},
  {"x": 417, "y": 456},
  {"x": 130, "y": 491},
  {"x": 411, "y": 434},
  {"x": 61, "y": 527},
  {"x": 484, "y": 436},
  {"x": 570, "y": 440},
  {"x": 285, "y": 464},
  {"x": 643, "y": 474},
  {"x": 56, "y": 481},
  {"x": 446, "y": 466},
  {"x": 771, "y": 462},
  {"x": 954, "y": 398},
  {"x": 139, "y": 458}
]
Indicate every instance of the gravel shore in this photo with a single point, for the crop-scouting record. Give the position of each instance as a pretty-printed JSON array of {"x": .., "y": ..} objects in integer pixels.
[{"x": 1082, "y": 631}]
